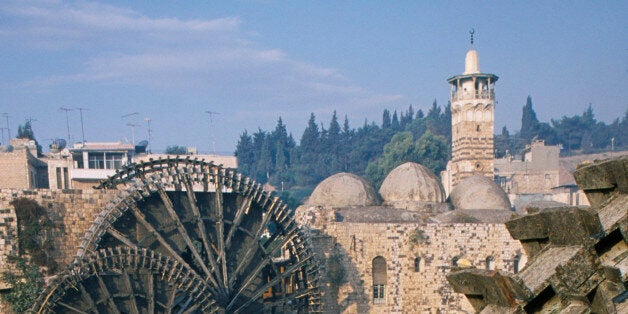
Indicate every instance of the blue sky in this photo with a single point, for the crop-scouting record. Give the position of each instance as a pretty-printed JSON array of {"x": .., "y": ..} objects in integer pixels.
[{"x": 253, "y": 61}]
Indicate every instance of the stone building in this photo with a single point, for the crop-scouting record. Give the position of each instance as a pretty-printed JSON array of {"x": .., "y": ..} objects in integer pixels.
[
  {"x": 540, "y": 174},
  {"x": 472, "y": 117},
  {"x": 86, "y": 164},
  {"x": 536, "y": 172},
  {"x": 389, "y": 252},
  {"x": 20, "y": 167}
]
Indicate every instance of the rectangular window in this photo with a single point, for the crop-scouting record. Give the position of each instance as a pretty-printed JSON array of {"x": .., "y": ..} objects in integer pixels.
[
  {"x": 379, "y": 296},
  {"x": 113, "y": 160},
  {"x": 96, "y": 160},
  {"x": 59, "y": 179},
  {"x": 78, "y": 161},
  {"x": 66, "y": 178}
]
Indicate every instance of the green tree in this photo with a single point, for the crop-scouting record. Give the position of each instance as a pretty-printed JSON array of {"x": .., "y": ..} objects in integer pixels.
[
  {"x": 26, "y": 132},
  {"x": 386, "y": 120},
  {"x": 306, "y": 172},
  {"x": 246, "y": 154},
  {"x": 176, "y": 150},
  {"x": 529, "y": 122},
  {"x": 400, "y": 149},
  {"x": 395, "y": 124},
  {"x": 282, "y": 147},
  {"x": 431, "y": 151}
]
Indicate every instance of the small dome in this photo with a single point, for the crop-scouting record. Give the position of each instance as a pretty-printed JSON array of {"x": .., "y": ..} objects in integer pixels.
[
  {"x": 344, "y": 190},
  {"x": 472, "y": 62},
  {"x": 412, "y": 182},
  {"x": 479, "y": 192}
]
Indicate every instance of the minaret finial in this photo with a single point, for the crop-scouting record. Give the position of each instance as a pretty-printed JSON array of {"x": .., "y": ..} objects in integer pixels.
[{"x": 472, "y": 31}]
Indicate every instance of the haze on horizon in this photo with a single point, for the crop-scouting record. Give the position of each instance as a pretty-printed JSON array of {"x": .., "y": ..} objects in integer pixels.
[{"x": 255, "y": 61}]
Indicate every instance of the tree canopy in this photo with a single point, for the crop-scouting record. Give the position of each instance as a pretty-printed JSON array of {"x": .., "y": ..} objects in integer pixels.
[{"x": 372, "y": 150}]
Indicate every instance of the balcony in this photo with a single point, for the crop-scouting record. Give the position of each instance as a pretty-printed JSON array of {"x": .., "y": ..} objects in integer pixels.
[
  {"x": 465, "y": 95},
  {"x": 92, "y": 174}
]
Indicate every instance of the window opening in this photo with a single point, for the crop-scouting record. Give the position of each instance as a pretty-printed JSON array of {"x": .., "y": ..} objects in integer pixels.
[{"x": 379, "y": 280}]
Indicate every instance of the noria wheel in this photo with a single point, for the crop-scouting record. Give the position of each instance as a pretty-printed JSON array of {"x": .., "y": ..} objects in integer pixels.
[{"x": 240, "y": 240}]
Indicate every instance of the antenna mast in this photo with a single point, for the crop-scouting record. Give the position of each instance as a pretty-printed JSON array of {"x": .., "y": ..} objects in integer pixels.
[
  {"x": 82, "y": 129},
  {"x": 6, "y": 115},
  {"x": 67, "y": 120},
  {"x": 132, "y": 124},
  {"x": 150, "y": 144},
  {"x": 211, "y": 128}
]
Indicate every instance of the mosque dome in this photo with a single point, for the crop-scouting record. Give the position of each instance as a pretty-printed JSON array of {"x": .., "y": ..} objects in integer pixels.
[
  {"x": 344, "y": 190},
  {"x": 411, "y": 182},
  {"x": 472, "y": 62},
  {"x": 479, "y": 192}
]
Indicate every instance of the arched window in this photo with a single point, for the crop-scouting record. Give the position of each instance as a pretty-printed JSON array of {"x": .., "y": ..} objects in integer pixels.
[
  {"x": 516, "y": 263},
  {"x": 417, "y": 264},
  {"x": 379, "y": 280},
  {"x": 454, "y": 261},
  {"x": 490, "y": 262}
]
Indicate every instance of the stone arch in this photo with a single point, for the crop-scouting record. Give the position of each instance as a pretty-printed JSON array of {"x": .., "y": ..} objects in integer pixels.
[
  {"x": 489, "y": 262},
  {"x": 478, "y": 114},
  {"x": 417, "y": 264},
  {"x": 380, "y": 277},
  {"x": 488, "y": 115}
]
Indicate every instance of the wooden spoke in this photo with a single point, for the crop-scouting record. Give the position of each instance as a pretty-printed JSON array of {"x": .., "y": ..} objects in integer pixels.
[
  {"x": 108, "y": 299},
  {"x": 69, "y": 307},
  {"x": 265, "y": 287},
  {"x": 87, "y": 298},
  {"x": 121, "y": 237},
  {"x": 173, "y": 215},
  {"x": 242, "y": 210},
  {"x": 201, "y": 228},
  {"x": 127, "y": 283},
  {"x": 150, "y": 293},
  {"x": 246, "y": 260}
]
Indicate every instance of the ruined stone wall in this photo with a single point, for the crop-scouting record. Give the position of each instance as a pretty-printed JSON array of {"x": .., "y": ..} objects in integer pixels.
[
  {"x": 71, "y": 211},
  {"x": 408, "y": 290}
]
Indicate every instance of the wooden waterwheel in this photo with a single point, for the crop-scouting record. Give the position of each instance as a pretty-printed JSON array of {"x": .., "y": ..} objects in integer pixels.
[{"x": 220, "y": 225}]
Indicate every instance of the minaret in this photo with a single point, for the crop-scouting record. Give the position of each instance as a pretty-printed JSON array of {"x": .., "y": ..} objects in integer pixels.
[{"x": 472, "y": 108}]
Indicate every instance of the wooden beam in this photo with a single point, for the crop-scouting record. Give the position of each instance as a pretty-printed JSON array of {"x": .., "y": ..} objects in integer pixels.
[
  {"x": 182, "y": 231},
  {"x": 200, "y": 225}
]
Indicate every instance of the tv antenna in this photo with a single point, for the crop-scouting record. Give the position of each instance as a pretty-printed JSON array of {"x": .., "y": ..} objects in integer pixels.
[
  {"x": 2, "y": 131},
  {"x": 67, "y": 119},
  {"x": 131, "y": 124},
  {"x": 211, "y": 128},
  {"x": 82, "y": 129},
  {"x": 149, "y": 134},
  {"x": 6, "y": 115}
]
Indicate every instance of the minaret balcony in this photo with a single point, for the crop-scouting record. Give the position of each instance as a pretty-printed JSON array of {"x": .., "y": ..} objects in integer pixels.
[{"x": 467, "y": 95}]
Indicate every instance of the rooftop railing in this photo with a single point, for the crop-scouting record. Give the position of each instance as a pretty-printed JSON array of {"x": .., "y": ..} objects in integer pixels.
[{"x": 466, "y": 95}]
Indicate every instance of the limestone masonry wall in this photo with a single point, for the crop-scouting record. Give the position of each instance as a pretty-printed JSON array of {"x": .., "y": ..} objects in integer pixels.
[
  {"x": 71, "y": 211},
  {"x": 14, "y": 170},
  {"x": 409, "y": 287}
]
